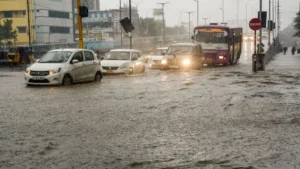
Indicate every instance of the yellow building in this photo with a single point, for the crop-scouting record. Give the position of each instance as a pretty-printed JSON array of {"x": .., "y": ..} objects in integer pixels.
[{"x": 16, "y": 10}]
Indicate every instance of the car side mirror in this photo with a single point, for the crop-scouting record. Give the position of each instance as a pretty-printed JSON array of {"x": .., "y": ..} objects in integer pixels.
[{"x": 75, "y": 61}]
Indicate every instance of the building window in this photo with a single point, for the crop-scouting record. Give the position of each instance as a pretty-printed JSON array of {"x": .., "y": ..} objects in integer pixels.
[
  {"x": 58, "y": 29},
  {"x": 101, "y": 15},
  {"x": 58, "y": 14},
  {"x": 22, "y": 29},
  {"x": 8, "y": 14},
  {"x": 24, "y": 13}
]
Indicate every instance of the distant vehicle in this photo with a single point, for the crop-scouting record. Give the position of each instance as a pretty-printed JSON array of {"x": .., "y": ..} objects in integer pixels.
[
  {"x": 64, "y": 66},
  {"x": 248, "y": 37},
  {"x": 16, "y": 54},
  {"x": 221, "y": 44},
  {"x": 155, "y": 60},
  {"x": 183, "y": 55},
  {"x": 127, "y": 61}
]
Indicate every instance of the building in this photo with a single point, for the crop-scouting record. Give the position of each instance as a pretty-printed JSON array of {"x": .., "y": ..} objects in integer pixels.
[
  {"x": 91, "y": 4},
  {"x": 50, "y": 20},
  {"x": 105, "y": 25},
  {"x": 17, "y": 12}
]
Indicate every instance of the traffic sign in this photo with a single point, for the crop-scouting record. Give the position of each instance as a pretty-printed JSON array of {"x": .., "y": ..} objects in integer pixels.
[{"x": 255, "y": 24}]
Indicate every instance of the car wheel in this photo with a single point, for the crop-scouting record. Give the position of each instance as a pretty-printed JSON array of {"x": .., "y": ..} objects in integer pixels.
[
  {"x": 163, "y": 68},
  {"x": 67, "y": 81},
  {"x": 131, "y": 71},
  {"x": 98, "y": 77}
]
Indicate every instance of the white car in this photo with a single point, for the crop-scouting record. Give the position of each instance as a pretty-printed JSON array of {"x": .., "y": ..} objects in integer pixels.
[
  {"x": 155, "y": 61},
  {"x": 127, "y": 61},
  {"x": 64, "y": 66}
]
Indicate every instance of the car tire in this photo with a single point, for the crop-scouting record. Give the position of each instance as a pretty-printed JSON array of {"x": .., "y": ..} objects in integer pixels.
[
  {"x": 163, "y": 68},
  {"x": 98, "y": 77},
  {"x": 67, "y": 80}
]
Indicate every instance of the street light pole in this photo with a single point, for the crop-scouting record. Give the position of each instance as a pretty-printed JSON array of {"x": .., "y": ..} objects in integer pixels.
[
  {"x": 164, "y": 25},
  {"x": 223, "y": 11},
  {"x": 120, "y": 24},
  {"x": 29, "y": 30},
  {"x": 197, "y": 11},
  {"x": 260, "y": 31},
  {"x": 189, "y": 22},
  {"x": 130, "y": 35},
  {"x": 269, "y": 24},
  {"x": 205, "y": 20}
]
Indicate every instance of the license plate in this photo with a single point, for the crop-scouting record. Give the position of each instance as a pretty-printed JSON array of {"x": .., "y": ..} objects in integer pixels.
[
  {"x": 110, "y": 71},
  {"x": 38, "y": 78},
  {"x": 173, "y": 66}
]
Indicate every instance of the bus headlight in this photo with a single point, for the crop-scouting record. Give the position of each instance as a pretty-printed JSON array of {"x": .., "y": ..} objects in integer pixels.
[
  {"x": 164, "y": 62},
  {"x": 221, "y": 57},
  {"x": 186, "y": 62}
]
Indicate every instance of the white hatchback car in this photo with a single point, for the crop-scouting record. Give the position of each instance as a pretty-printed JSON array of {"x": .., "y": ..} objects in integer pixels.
[
  {"x": 127, "y": 61},
  {"x": 155, "y": 61},
  {"x": 64, "y": 66}
]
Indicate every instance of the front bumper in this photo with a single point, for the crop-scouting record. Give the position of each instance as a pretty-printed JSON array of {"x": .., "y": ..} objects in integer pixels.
[
  {"x": 55, "y": 79},
  {"x": 118, "y": 71}
]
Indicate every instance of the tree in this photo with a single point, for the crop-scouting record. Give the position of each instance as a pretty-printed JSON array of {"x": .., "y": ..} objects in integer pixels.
[
  {"x": 7, "y": 32},
  {"x": 297, "y": 25}
]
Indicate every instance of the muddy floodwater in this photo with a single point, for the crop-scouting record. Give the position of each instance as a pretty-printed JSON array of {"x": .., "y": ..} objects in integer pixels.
[{"x": 218, "y": 118}]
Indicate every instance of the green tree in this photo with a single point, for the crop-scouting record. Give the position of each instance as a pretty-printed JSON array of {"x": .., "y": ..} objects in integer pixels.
[
  {"x": 7, "y": 32},
  {"x": 297, "y": 25}
]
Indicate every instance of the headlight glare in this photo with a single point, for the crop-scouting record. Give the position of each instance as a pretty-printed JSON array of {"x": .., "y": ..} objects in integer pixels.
[
  {"x": 164, "y": 62},
  {"x": 221, "y": 57},
  {"x": 186, "y": 62},
  {"x": 51, "y": 72}
]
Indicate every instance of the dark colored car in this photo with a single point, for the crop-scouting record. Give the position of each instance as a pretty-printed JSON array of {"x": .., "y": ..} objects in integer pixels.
[{"x": 183, "y": 56}]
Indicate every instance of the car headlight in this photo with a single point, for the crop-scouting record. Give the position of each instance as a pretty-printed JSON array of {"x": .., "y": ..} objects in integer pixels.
[
  {"x": 27, "y": 71},
  {"x": 164, "y": 62},
  {"x": 51, "y": 72},
  {"x": 221, "y": 57},
  {"x": 125, "y": 65},
  {"x": 186, "y": 62}
]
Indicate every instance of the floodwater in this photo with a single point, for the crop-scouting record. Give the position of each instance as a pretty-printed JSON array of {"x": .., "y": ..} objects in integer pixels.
[{"x": 218, "y": 118}]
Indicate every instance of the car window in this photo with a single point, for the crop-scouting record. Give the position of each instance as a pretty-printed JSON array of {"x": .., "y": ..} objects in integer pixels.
[
  {"x": 88, "y": 56},
  {"x": 78, "y": 56},
  {"x": 158, "y": 52}
]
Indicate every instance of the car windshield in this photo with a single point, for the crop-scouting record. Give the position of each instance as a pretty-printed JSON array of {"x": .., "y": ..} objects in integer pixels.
[
  {"x": 180, "y": 50},
  {"x": 117, "y": 56},
  {"x": 56, "y": 57},
  {"x": 12, "y": 49},
  {"x": 160, "y": 51}
]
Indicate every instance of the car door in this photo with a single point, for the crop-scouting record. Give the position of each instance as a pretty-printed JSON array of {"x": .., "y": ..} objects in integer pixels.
[
  {"x": 89, "y": 65},
  {"x": 77, "y": 69}
]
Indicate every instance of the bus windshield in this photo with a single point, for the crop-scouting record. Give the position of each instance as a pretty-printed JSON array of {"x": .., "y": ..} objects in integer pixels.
[{"x": 214, "y": 39}]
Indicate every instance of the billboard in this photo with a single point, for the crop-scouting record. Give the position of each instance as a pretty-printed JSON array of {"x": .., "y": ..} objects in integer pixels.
[{"x": 158, "y": 12}]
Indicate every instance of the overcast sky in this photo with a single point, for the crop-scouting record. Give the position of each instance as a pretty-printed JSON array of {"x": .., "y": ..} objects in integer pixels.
[{"x": 207, "y": 8}]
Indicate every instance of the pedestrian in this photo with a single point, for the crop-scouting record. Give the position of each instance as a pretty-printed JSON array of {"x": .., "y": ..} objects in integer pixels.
[
  {"x": 293, "y": 50},
  {"x": 285, "y": 48}
]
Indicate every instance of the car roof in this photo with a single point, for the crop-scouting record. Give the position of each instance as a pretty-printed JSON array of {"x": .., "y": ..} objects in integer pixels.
[
  {"x": 185, "y": 44},
  {"x": 125, "y": 50},
  {"x": 71, "y": 49}
]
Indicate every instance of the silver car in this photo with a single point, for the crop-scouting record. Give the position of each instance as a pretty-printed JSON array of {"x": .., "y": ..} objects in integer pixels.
[{"x": 64, "y": 66}]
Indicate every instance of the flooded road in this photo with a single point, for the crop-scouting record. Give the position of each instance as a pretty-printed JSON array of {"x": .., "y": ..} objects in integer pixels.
[{"x": 221, "y": 117}]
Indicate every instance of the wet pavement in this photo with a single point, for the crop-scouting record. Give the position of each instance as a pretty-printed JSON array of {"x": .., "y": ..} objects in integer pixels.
[{"x": 221, "y": 117}]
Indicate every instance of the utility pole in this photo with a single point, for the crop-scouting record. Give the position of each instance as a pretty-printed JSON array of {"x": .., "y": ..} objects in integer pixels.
[
  {"x": 260, "y": 31},
  {"x": 197, "y": 11},
  {"x": 273, "y": 18},
  {"x": 29, "y": 25},
  {"x": 278, "y": 20},
  {"x": 223, "y": 12},
  {"x": 204, "y": 20},
  {"x": 164, "y": 25},
  {"x": 189, "y": 22},
  {"x": 130, "y": 34},
  {"x": 269, "y": 24},
  {"x": 80, "y": 35},
  {"x": 120, "y": 24},
  {"x": 237, "y": 12}
]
